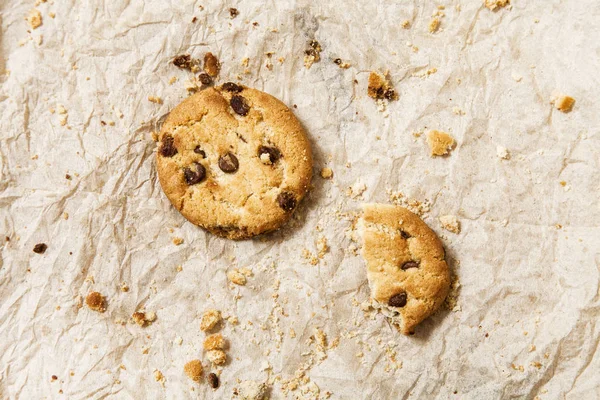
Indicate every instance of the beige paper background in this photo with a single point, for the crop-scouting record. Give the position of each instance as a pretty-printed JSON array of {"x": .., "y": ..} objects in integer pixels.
[{"x": 523, "y": 281}]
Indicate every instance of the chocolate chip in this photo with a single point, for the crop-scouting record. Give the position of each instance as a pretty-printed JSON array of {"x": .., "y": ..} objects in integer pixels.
[
  {"x": 390, "y": 94},
  {"x": 398, "y": 300},
  {"x": 286, "y": 201},
  {"x": 238, "y": 103},
  {"x": 410, "y": 264},
  {"x": 183, "y": 61},
  {"x": 40, "y": 248},
  {"x": 168, "y": 149},
  {"x": 205, "y": 78},
  {"x": 272, "y": 152},
  {"x": 213, "y": 380},
  {"x": 194, "y": 175},
  {"x": 233, "y": 12},
  {"x": 198, "y": 150},
  {"x": 228, "y": 163},
  {"x": 232, "y": 87},
  {"x": 337, "y": 61},
  {"x": 404, "y": 234},
  {"x": 315, "y": 45}
]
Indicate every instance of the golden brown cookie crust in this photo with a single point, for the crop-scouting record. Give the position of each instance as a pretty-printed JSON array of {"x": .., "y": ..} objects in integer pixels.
[
  {"x": 244, "y": 203},
  {"x": 393, "y": 237}
]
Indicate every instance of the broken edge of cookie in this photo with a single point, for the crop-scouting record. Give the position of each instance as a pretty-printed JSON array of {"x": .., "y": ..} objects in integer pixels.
[{"x": 397, "y": 245}]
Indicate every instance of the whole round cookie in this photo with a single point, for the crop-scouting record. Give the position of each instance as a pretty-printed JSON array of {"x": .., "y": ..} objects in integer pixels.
[
  {"x": 406, "y": 268},
  {"x": 234, "y": 161}
]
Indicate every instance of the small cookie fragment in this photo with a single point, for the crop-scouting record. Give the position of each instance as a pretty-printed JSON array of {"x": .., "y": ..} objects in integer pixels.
[
  {"x": 210, "y": 319},
  {"x": 40, "y": 248},
  {"x": 214, "y": 342},
  {"x": 450, "y": 223},
  {"x": 193, "y": 369},
  {"x": 217, "y": 356},
  {"x": 235, "y": 276},
  {"x": 502, "y": 152},
  {"x": 211, "y": 65},
  {"x": 155, "y": 99},
  {"x": 34, "y": 18},
  {"x": 380, "y": 88},
  {"x": 312, "y": 54},
  {"x": 96, "y": 302},
  {"x": 252, "y": 390},
  {"x": 213, "y": 380},
  {"x": 143, "y": 319},
  {"x": 434, "y": 25},
  {"x": 563, "y": 103},
  {"x": 440, "y": 143},
  {"x": 494, "y": 4},
  {"x": 326, "y": 173}
]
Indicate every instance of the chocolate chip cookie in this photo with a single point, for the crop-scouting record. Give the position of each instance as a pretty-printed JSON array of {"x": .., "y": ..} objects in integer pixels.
[
  {"x": 406, "y": 268},
  {"x": 234, "y": 161}
]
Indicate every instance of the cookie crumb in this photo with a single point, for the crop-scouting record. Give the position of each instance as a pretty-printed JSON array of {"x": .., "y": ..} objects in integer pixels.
[
  {"x": 211, "y": 65},
  {"x": 434, "y": 25},
  {"x": 96, "y": 302},
  {"x": 440, "y": 143},
  {"x": 159, "y": 377},
  {"x": 183, "y": 61},
  {"x": 213, "y": 380},
  {"x": 172, "y": 80},
  {"x": 494, "y": 4},
  {"x": 563, "y": 103},
  {"x": 155, "y": 99},
  {"x": 177, "y": 241},
  {"x": 406, "y": 24},
  {"x": 326, "y": 173},
  {"x": 124, "y": 287},
  {"x": 458, "y": 111},
  {"x": 210, "y": 319},
  {"x": 34, "y": 18},
  {"x": 380, "y": 87},
  {"x": 143, "y": 319},
  {"x": 502, "y": 152},
  {"x": 312, "y": 54},
  {"x": 450, "y": 223},
  {"x": 235, "y": 276},
  {"x": 217, "y": 356},
  {"x": 40, "y": 248},
  {"x": 214, "y": 342},
  {"x": 252, "y": 390},
  {"x": 233, "y": 12},
  {"x": 193, "y": 369}
]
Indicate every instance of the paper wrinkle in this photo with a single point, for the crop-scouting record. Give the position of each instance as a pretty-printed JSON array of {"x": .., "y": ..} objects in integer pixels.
[{"x": 526, "y": 258}]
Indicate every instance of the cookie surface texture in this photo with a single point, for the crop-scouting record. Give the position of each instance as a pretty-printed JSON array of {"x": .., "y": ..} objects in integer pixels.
[
  {"x": 234, "y": 161},
  {"x": 406, "y": 268}
]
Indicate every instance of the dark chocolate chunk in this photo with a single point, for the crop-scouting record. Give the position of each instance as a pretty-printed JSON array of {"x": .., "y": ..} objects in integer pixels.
[
  {"x": 286, "y": 201},
  {"x": 198, "y": 150},
  {"x": 213, "y": 380},
  {"x": 40, "y": 248},
  {"x": 273, "y": 152},
  {"x": 410, "y": 264},
  {"x": 228, "y": 163},
  {"x": 337, "y": 61},
  {"x": 404, "y": 234},
  {"x": 238, "y": 103},
  {"x": 390, "y": 94},
  {"x": 232, "y": 87},
  {"x": 194, "y": 175},
  {"x": 233, "y": 12},
  {"x": 398, "y": 300},
  {"x": 183, "y": 61},
  {"x": 168, "y": 149},
  {"x": 205, "y": 78}
]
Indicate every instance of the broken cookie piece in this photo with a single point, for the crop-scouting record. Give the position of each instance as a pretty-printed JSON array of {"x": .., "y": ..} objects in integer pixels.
[
  {"x": 312, "y": 54},
  {"x": 380, "y": 87},
  {"x": 214, "y": 342},
  {"x": 237, "y": 277},
  {"x": 211, "y": 65},
  {"x": 34, "y": 18},
  {"x": 562, "y": 102},
  {"x": 143, "y": 319},
  {"x": 193, "y": 370},
  {"x": 217, "y": 356},
  {"x": 496, "y": 4},
  {"x": 440, "y": 143},
  {"x": 210, "y": 319},
  {"x": 406, "y": 268},
  {"x": 96, "y": 302},
  {"x": 252, "y": 390}
]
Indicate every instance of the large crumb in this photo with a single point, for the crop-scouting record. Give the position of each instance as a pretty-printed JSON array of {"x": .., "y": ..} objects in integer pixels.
[
  {"x": 217, "y": 356},
  {"x": 95, "y": 301},
  {"x": 143, "y": 319},
  {"x": 210, "y": 319},
  {"x": 214, "y": 342},
  {"x": 177, "y": 241},
  {"x": 193, "y": 370},
  {"x": 450, "y": 223},
  {"x": 494, "y": 4},
  {"x": 211, "y": 64},
  {"x": 251, "y": 390},
  {"x": 563, "y": 103},
  {"x": 237, "y": 277},
  {"x": 434, "y": 25},
  {"x": 34, "y": 18},
  {"x": 380, "y": 88},
  {"x": 326, "y": 173},
  {"x": 312, "y": 54},
  {"x": 440, "y": 143}
]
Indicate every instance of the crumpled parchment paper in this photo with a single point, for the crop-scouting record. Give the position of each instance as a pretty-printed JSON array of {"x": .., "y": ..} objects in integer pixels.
[{"x": 74, "y": 101}]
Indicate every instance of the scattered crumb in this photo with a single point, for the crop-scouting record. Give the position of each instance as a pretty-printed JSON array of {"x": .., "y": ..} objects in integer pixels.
[
  {"x": 451, "y": 302},
  {"x": 159, "y": 377},
  {"x": 210, "y": 319},
  {"x": 562, "y": 102},
  {"x": 172, "y": 80},
  {"x": 252, "y": 390},
  {"x": 458, "y": 111},
  {"x": 406, "y": 24},
  {"x": 502, "y": 152},
  {"x": 494, "y": 4},
  {"x": 517, "y": 367},
  {"x": 61, "y": 109},
  {"x": 440, "y": 143},
  {"x": 193, "y": 369},
  {"x": 63, "y": 120},
  {"x": 380, "y": 87},
  {"x": 434, "y": 25},
  {"x": 155, "y": 99},
  {"x": 326, "y": 173},
  {"x": 356, "y": 190},
  {"x": 341, "y": 64},
  {"x": 217, "y": 357},
  {"x": 233, "y": 12},
  {"x": 51, "y": 15},
  {"x": 516, "y": 77},
  {"x": 450, "y": 223},
  {"x": 178, "y": 340},
  {"x": 177, "y": 241},
  {"x": 312, "y": 54},
  {"x": 143, "y": 319},
  {"x": 124, "y": 287},
  {"x": 96, "y": 302},
  {"x": 322, "y": 247},
  {"x": 536, "y": 364},
  {"x": 211, "y": 65},
  {"x": 214, "y": 342},
  {"x": 34, "y": 18},
  {"x": 237, "y": 277}
]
